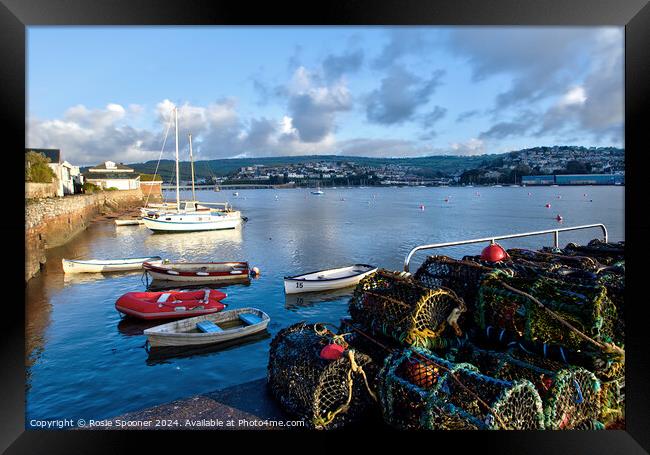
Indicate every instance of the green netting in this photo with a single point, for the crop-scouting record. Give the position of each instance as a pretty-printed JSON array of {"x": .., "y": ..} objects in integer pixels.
[
  {"x": 462, "y": 277},
  {"x": 399, "y": 307},
  {"x": 326, "y": 394},
  {"x": 606, "y": 253},
  {"x": 585, "y": 307},
  {"x": 570, "y": 395},
  {"x": 419, "y": 390}
]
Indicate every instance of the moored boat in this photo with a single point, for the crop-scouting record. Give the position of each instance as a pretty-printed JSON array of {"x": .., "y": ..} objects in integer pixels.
[
  {"x": 323, "y": 280},
  {"x": 198, "y": 272},
  {"x": 209, "y": 329},
  {"x": 107, "y": 265},
  {"x": 170, "y": 304}
]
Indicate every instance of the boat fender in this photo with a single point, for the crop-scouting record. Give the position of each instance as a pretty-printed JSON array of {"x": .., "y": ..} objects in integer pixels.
[
  {"x": 255, "y": 272},
  {"x": 332, "y": 351},
  {"x": 202, "y": 274},
  {"x": 172, "y": 272}
]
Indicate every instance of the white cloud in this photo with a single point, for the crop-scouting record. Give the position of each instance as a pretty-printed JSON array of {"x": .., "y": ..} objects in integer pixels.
[{"x": 472, "y": 146}]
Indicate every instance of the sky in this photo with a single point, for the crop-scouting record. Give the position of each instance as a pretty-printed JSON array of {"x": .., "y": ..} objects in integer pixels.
[{"x": 107, "y": 93}]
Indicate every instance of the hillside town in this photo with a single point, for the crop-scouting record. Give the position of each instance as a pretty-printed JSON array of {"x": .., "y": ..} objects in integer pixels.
[{"x": 508, "y": 168}]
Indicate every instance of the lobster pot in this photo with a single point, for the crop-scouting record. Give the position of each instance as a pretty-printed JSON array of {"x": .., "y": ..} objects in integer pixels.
[
  {"x": 552, "y": 260},
  {"x": 585, "y": 307},
  {"x": 325, "y": 394},
  {"x": 419, "y": 390},
  {"x": 411, "y": 314},
  {"x": 606, "y": 253},
  {"x": 462, "y": 277},
  {"x": 570, "y": 395}
]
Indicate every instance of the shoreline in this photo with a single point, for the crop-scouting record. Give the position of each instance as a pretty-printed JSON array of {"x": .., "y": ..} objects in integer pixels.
[{"x": 52, "y": 222}]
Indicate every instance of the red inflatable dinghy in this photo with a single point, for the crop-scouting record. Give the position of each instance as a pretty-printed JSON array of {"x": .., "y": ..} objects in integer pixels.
[{"x": 170, "y": 304}]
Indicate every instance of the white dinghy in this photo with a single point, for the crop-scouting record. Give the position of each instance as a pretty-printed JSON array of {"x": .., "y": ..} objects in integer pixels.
[
  {"x": 209, "y": 328},
  {"x": 324, "y": 280},
  {"x": 107, "y": 265}
]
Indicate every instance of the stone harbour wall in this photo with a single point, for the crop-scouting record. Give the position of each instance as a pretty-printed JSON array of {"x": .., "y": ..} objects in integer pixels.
[
  {"x": 40, "y": 190},
  {"x": 54, "y": 221}
]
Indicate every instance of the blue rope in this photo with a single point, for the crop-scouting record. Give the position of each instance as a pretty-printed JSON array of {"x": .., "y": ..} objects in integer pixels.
[
  {"x": 501, "y": 334},
  {"x": 579, "y": 398},
  {"x": 562, "y": 354},
  {"x": 544, "y": 350}
]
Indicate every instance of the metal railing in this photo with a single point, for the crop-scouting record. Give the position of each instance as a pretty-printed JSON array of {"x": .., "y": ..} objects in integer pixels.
[{"x": 555, "y": 232}]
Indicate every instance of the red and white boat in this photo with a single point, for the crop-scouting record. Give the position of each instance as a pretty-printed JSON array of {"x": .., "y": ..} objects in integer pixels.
[
  {"x": 198, "y": 272},
  {"x": 170, "y": 304}
]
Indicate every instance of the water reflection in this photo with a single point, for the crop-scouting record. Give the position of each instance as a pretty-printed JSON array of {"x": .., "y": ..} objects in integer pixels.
[
  {"x": 70, "y": 279},
  {"x": 294, "y": 302},
  {"x": 163, "y": 354},
  {"x": 196, "y": 244},
  {"x": 158, "y": 285}
]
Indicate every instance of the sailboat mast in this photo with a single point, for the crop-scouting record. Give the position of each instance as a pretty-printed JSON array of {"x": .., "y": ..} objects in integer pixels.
[
  {"x": 192, "y": 164},
  {"x": 178, "y": 197}
]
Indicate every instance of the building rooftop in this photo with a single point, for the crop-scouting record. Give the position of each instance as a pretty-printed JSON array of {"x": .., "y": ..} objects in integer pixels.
[
  {"x": 111, "y": 175},
  {"x": 53, "y": 154},
  {"x": 112, "y": 166}
]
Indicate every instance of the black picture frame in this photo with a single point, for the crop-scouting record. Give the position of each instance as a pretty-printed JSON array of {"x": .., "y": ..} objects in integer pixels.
[{"x": 634, "y": 15}]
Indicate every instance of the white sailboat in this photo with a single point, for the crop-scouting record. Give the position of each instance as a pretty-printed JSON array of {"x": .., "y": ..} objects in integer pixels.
[
  {"x": 318, "y": 191},
  {"x": 190, "y": 215}
]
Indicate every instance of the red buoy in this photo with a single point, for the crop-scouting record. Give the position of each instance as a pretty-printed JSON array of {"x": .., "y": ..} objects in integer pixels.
[
  {"x": 493, "y": 253},
  {"x": 548, "y": 206},
  {"x": 558, "y": 217},
  {"x": 332, "y": 352},
  {"x": 421, "y": 206}
]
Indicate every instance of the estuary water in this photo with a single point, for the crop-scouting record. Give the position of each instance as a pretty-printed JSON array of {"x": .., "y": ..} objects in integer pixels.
[{"x": 85, "y": 361}]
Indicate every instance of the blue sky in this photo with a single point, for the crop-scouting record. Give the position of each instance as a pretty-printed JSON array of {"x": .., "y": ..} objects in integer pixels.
[{"x": 106, "y": 92}]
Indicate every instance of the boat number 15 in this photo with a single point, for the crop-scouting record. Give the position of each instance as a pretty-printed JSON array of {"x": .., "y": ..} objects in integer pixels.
[{"x": 299, "y": 285}]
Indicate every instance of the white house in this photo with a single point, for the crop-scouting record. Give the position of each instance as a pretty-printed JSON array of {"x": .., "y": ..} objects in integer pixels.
[
  {"x": 113, "y": 175},
  {"x": 66, "y": 174}
]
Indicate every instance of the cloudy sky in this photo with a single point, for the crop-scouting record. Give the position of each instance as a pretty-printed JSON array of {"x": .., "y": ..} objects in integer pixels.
[{"x": 107, "y": 93}]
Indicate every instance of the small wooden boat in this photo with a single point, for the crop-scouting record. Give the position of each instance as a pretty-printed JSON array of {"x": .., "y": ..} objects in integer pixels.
[
  {"x": 129, "y": 222},
  {"x": 209, "y": 329},
  {"x": 171, "y": 304},
  {"x": 327, "y": 279},
  {"x": 198, "y": 272},
  {"x": 107, "y": 265}
]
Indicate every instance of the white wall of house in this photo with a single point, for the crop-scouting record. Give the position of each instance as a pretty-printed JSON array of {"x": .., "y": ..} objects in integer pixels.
[
  {"x": 65, "y": 174},
  {"x": 120, "y": 184}
]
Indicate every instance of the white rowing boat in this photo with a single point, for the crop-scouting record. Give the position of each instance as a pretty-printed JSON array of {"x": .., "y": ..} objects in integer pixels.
[
  {"x": 107, "y": 265},
  {"x": 209, "y": 328},
  {"x": 324, "y": 280}
]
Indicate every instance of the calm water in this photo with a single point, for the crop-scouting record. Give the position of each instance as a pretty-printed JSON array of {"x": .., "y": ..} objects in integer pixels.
[{"x": 84, "y": 361}]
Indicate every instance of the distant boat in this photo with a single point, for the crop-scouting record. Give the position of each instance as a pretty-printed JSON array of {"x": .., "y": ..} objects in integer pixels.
[
  {"x": 318, "y": 191},
  {"x": 235, "y": 193},
  {"x": 324, "y": 280},
  {"x": 198, "y": 272},
  {"x": 209, "y": 329},
  {"x": 107, "y": 265}
]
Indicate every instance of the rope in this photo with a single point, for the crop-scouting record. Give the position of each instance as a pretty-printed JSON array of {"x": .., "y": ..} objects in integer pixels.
[
  {"x": 320, "y": 422},
  {"x": 442, "y": 367},
  {"x": 607, "y": 347},
  {"x": 159, "y": 157}
]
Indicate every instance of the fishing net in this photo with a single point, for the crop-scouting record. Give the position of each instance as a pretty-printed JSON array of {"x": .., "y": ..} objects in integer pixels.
[
  {"x": 586, "y": 308},
  {"x": 418, "y": 390},
  {"x": 463, "y": 277},
  {"x": 326, "y": 394},
  {"x": 607, "y": 253},
  {"x": 399, "y": 307},
  {"x": 570, "y": 395}
]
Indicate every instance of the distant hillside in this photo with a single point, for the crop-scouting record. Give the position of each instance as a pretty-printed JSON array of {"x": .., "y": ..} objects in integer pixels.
[{"x": 429, "y": 166}]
